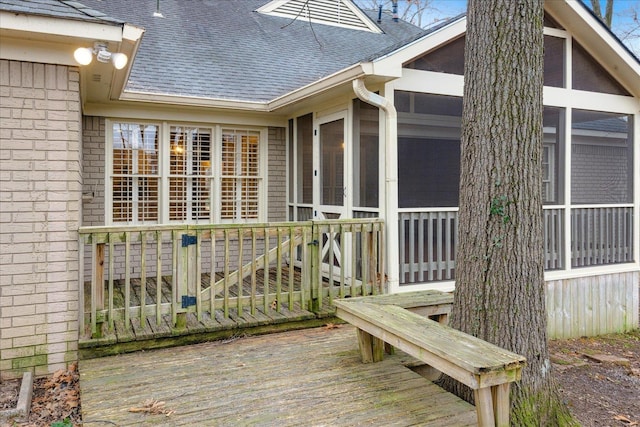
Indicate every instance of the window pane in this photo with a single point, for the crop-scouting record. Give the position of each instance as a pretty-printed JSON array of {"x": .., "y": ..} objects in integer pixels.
[
  {"x": 239, "y": 187},
  {"x": 304, "y": 162},
  {"x": 446, "y": 59},
  {"x": 589, "y": 75},
  {"x": 553, "y": 155},
  {"x": 135, "y": 173},
  {"x": 366, "y": 163},
  {"x": 601, "y": 158},
  {"x": 429, "y": 150},
  {"x": 190, "y": 169},
  {"x": 554, "y": 61}
]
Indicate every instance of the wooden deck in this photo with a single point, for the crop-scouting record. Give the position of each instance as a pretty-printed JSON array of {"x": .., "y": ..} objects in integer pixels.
[
  {"x": 311, "y": 377},
  {"x": 146, "y": 334}
]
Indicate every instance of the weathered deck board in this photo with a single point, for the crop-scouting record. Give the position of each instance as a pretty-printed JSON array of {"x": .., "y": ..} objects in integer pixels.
[{"x": 310, "y": 377}]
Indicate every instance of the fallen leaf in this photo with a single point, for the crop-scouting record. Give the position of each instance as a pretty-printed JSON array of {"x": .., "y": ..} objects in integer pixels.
[
  {"x": 331, "y": 326},
  {"x": 625, "y": 420}
]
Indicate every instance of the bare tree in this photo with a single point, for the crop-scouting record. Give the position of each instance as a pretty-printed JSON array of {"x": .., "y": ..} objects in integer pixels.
[
  {"x": 499, "y": 264},
  {"x": 607, "y": 18},
  {"x": 413, "y": 11}
]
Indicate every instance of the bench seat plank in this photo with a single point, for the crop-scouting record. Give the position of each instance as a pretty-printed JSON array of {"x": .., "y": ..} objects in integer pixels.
[
  {"x": 408, "y": 299},
  {"x": 470, "y": 360}
]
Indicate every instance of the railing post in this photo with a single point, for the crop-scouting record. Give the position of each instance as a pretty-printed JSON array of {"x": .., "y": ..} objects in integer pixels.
[
  {"x": 98, "y": 290},
  {"x": 315, "y": 300}
]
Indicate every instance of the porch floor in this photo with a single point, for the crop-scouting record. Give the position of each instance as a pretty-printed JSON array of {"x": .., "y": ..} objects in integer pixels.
[{"x": 310, "y": 377}]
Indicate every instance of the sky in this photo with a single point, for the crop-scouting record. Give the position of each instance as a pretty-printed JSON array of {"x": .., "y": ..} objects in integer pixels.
[{"x": 622, "y": 18}]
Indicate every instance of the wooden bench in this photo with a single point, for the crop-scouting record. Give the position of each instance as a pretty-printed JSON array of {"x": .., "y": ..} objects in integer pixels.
[
  {"x": 486, "y": 368},
  {"x": 430, "y": 303}
]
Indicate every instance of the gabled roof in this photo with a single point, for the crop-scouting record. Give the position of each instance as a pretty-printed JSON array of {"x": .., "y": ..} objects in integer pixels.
[
  {"x": 227, "y": 50},
  {"x": 66, "y": 9}
]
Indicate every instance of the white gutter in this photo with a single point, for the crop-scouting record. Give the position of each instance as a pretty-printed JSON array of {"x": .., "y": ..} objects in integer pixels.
[{"x": 390, "y": 212}]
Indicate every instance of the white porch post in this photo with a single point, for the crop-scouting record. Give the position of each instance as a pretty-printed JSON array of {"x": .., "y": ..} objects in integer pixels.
[{"x": 390, "y": 211}]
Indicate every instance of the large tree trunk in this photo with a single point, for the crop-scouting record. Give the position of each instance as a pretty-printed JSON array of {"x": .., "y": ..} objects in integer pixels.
[{"x": 499, "y": 267}]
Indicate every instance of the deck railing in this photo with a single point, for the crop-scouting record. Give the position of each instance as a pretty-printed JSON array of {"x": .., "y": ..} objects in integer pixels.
[
  {"x": 600, "y": 235},
  {"x": 140, "y": 272}
]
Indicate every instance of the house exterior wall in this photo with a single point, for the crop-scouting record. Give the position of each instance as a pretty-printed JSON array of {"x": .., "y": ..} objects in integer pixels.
[
  {"x": 40, "y": 192},
  {"x": 93, "y": 161},
  {"x": 93, "y": 167},
  {"x": 277, "y": 174}
]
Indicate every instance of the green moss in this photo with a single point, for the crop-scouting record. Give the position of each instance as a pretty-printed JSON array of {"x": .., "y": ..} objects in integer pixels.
[
  {"x": 28, "y": 362},
  {"x": 540, "y": 409}
]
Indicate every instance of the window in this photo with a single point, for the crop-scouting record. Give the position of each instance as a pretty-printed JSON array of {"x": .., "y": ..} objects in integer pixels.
[
  {"x": 240, "y": 174},
  {"x": 601, "y": 158},
  {"x": 553, "y": 155},
  {"x": 189, "y": 174},
  {"x": 135, "y": 173},
  {"x": 428, "y": 149},
  {"x": 161, "y": 173}
]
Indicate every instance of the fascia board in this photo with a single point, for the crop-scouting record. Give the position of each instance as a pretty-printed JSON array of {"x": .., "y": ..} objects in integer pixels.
[
  {"x": 391, "y": 63},
  {"x": 42, "y": 26},
  {"x": 131, "y": 38},
  {"x": 193, "y": 101},
  {"x": 598, "y": 42},
  {"x": 329, "y": 82}
]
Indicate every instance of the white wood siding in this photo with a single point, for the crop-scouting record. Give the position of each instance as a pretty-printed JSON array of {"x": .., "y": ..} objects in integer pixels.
[{"x": 589, "y": 306}]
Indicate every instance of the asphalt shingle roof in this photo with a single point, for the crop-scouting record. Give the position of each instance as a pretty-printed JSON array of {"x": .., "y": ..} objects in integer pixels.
[
  {"x": 57, "y": 8},
  {"x": 224, "y": 49}
]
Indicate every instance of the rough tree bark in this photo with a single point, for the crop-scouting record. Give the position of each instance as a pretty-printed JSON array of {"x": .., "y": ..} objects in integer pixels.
[{"x": 499, "y": 267}]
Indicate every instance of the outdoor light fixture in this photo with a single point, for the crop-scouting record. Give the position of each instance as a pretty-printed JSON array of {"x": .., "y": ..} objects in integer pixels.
[{"x": 84, "y": 56}]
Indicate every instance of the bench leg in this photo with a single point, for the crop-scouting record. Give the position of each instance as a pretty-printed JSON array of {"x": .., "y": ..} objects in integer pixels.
[
  {"x": 484, "y": 407},
  {"x": 501, "y": 405},
  {"x": 371, "y": 348}
]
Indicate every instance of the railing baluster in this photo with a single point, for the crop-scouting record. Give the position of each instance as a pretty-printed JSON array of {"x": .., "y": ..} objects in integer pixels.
[
  {"x": 331, "y": 257},
  {"x": 143, "y": 276},
  {"x": 174, "y": 276},
  {"x": 158, "y": 277},
  {"x": 254, "y": 278},
  {"x": 343, "y": 280},
  {"x": 278, "y": 269},
  {"x": 226, "y": 274},
  {"x": 112, "y": 261},
  {"x": 199, "y": 274},
  {"x": 240, "y": 275},
  {"x": 81, "y": 295},
  {"x": 265, "y": 269},
  {"x": 291, "y": 269},
  {"x": 94, "y": 291},
  {"x": 212, "y": 277},
  {"x": 354, "y": 265},
  {"x": 127, "y": 277}
]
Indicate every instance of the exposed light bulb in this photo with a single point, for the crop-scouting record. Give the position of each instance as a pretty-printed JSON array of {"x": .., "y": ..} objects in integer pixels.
[
  {"x": 83, "y": 55},
  {"x": 119, "y": 60}
]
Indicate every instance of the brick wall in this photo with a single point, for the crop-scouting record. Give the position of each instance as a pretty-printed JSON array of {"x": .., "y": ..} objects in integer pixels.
[
  {"x": 93, "y": 161},
  {"x": 40, "y": 192}
]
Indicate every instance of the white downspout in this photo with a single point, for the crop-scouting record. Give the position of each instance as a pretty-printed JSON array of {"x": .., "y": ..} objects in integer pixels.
[{"x": 390, "y": 212}]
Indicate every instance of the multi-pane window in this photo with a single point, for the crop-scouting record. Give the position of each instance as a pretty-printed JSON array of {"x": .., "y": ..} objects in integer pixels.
[
  {"x": 135, "y": 173},
  {"x": 175, "y": 173},
  {"x": 240, "y": 176}
]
